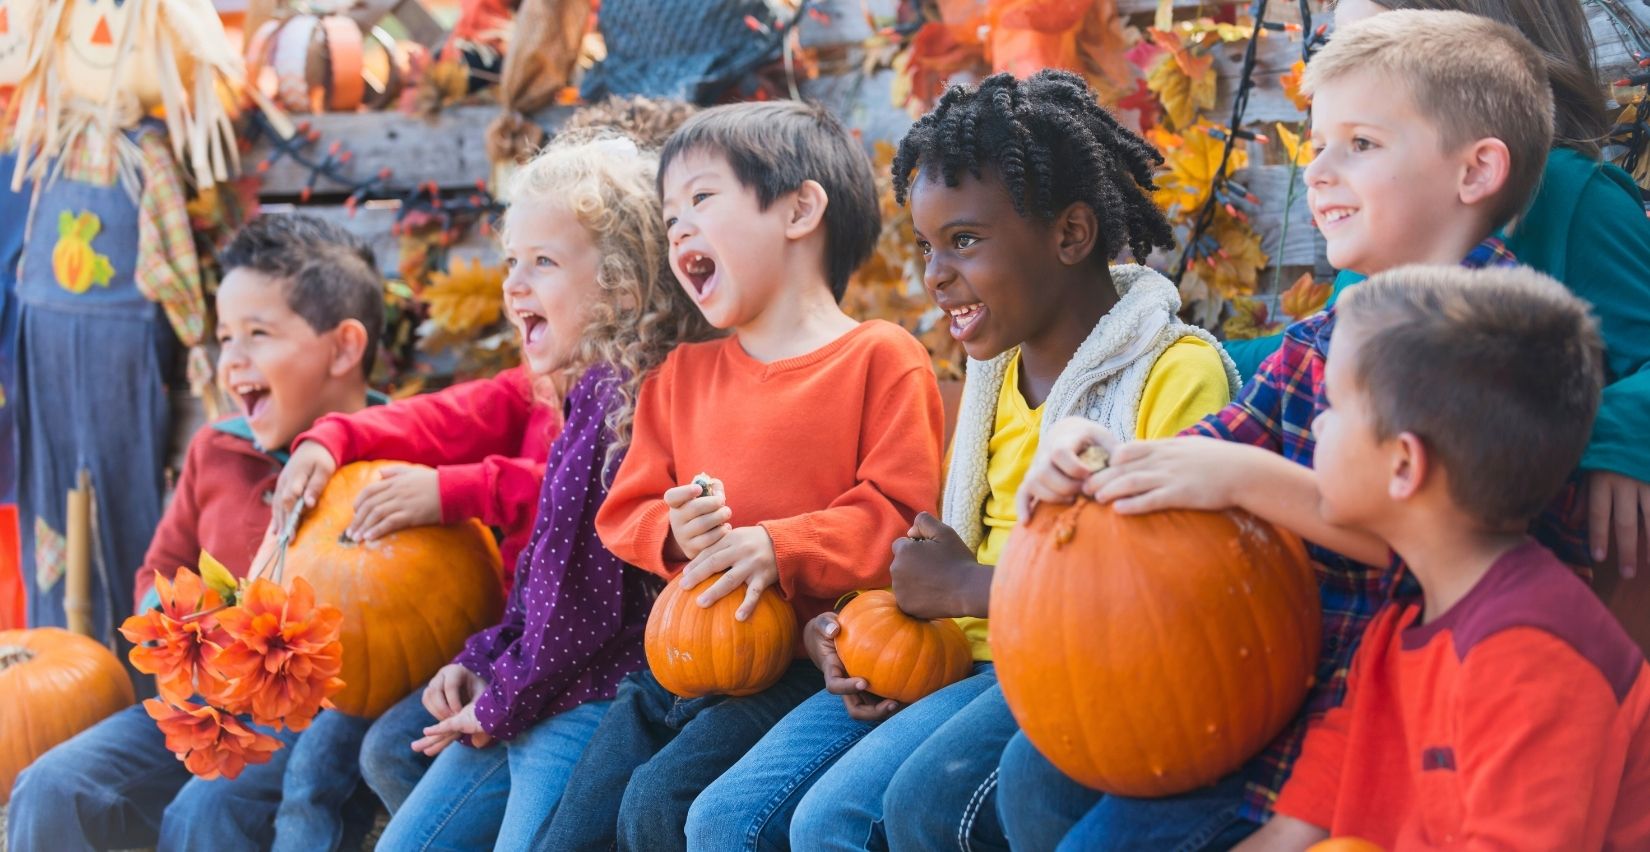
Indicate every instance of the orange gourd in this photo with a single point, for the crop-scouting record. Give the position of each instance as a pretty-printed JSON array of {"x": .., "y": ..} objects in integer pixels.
[
  {"x": 901, "y": 657},
  {"x": 1344, "y": 844},
  {"x": 410, "y": 599},
  {"x": 53, "y": 685},
  {"x": 1148, "y": 655},
  {"x": 696, "y": 651}
]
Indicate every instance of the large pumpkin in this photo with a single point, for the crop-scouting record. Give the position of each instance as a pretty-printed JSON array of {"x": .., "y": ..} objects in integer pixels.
[
  {"x": 901, "y": 657},
  {"x": 1148, "y": 655},
  {"x": 410, "y": 599},
  {"x": 53, "y": 685},
  {"x": 696, "y": 651}
]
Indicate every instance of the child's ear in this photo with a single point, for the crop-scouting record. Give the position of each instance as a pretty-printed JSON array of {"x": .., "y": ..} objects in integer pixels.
[
  {"x": 1411, "y": 466},
  {"x": 807, "y": 212},
  {"x": 1077, "y": 229},
  {"x": 1485, "y": 166},
  {"x": 349, "y": 346}
]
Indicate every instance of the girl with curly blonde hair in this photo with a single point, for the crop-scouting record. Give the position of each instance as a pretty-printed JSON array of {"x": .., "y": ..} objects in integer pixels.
[{"x": 590, "y": 292}]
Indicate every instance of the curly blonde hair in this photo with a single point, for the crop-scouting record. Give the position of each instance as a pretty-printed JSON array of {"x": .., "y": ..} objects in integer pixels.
[{"x": 607, "y": 183}]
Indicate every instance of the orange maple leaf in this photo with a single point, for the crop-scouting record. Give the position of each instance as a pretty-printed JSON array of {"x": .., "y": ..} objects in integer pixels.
[
  {"x": 1305, "y": 297},
  {"x": 1291, "y": 83}
]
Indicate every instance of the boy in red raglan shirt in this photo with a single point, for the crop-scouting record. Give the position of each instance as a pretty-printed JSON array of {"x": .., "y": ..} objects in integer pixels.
[{"x": 1493, "y": 702}]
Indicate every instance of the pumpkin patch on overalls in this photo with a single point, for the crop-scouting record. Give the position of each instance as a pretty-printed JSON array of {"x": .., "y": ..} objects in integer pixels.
[{"x": 75, "y": 263}]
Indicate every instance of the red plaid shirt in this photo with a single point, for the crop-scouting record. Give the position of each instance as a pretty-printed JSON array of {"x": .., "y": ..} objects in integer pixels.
[{"x": 1275, "y": 410}]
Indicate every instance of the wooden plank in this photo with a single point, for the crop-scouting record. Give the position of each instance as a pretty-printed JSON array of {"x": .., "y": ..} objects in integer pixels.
[
  {"x": 1267, "y": 102},
  {"x": 1301, "y": 245},
  {"x": 373, "y": 225},
  {"x": 1620, "y": 29}
]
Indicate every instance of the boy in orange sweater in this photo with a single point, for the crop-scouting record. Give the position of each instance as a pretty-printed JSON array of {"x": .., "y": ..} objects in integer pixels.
[
  {"x": 1493, "y": 703},
  {"x": 823, "y": 434}
]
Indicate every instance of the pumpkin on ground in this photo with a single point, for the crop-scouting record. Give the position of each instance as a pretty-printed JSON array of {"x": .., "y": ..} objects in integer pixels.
[
  {"x": 1148, "y": 655},
  {"x": 696, "y": 651},
  {"x": 53, "y": 685},
  {"x": 901, "y": 657},
  {"x": 409, "y": 599}
]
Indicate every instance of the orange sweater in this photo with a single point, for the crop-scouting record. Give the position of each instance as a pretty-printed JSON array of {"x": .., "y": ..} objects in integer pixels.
[
  {"x": 1518, "y": 719},
  {"x": 833, "y": 453}
]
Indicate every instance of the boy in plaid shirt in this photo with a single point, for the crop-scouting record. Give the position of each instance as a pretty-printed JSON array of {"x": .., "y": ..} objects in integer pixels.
[{"x": 1424, "y": 150}]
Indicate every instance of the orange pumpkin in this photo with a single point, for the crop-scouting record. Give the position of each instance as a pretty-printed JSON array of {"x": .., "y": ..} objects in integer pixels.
[
  {"x": 410, "y": 599},
  {"x": 696, "y": 651},
  {"x": 1148, "y": 655},
  {"x": 1344, "y": 844},
  {"x": 53, "y": 685},
  {"x": 901, "y": 657}
]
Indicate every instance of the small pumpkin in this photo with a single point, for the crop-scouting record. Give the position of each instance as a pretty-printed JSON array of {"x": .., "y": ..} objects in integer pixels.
[
  {"x": 1345, "y": 844},
  {"x": 1148, "y": 655},
  {"x": 696, "y": 651},
  {"x": 901, "y": 657},
  {"x": 53, "y": 685},
  {"x": 410, "y": 599}
]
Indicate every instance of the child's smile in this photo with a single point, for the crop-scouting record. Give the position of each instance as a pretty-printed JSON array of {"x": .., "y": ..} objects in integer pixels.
[{"x": 964, "y": 319}]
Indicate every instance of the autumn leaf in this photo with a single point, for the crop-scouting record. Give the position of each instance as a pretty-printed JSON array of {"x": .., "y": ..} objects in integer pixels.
[
  {"x": 1291, "y": 83},
  {"x": 1300, "y": 154},
  {"x": 217, "y": 577},
  {"x": 1248, "y": 320},
  {"x": 1232, "y": 262},
  {"x": 937, "y": 52},
  {"x": 1305, "y": 297},
  {"x": 467, "y": 297},
  {"x": 1191, "y": 160},
  {"x": 1183, "y": 95}
]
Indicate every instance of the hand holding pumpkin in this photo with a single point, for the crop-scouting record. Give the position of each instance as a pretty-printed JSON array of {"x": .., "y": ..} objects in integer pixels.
[
  {"x": 743, "y": 556},
  {"x": 1058, "y": 470},
  {"x": 697, "y": 519},
  {"x": 451, "y": 689},
  {"x": 819, "y": 637},
  {"x": 1173, "y": 473},
  {"x": 936, "y": 575},
  {"x": 304, "y": 477},
  {"x": 404, "y": 496},
  {"x": 460, "y": 725}
]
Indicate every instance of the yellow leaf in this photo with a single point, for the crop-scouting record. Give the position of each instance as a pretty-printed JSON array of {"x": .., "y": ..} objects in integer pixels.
[
  {"x": 216, "y": 576},
  {"x": 1192, "y": 160},
  {"x": 1183, "y": 95},
  {"x": 1291, "y": 83},
  {"x": 466, "y": 298},
  {"x": 1248, "y": 320},
  {"x": 1305, "y": 297},
  {"x": 1300, "y": 154},
  {"x": 1233, "y": 270}
]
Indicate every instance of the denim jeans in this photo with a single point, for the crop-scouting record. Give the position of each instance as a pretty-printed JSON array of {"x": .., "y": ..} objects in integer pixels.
[
  {"x": 322, "y": 804},
  {"x": 1043, "y": 809},
  {"x": 388, "y": 763},
  {"x": 499, "y": 796},
  {"x": 754, "y": 804},
  {"x": 654, "y": 753}
]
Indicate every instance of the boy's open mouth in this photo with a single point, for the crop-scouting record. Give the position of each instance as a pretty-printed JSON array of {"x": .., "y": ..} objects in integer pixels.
[
  {"x": 699, "y": 269},
  {"x": 254, "y": 398},
  {"x": 533, "y": 326}
]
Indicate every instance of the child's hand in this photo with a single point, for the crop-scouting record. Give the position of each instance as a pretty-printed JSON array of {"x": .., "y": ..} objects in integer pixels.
[
  {"x": 460, "y": 725},
  {"x": 819, "y": 637},
  {"x": 1058, "y": 471},
  {"x": 697, "y": 519},
  {"x": 1619, "y": 507},
  {"x": 744, "y": 555},
  {"x": 404, "y": 496},
  {"x": 936, "y": 575},
  {"x": 452, "y": 687},
  {"x": 303, "y": 477},
  {"x": 1172, "y": 473}
]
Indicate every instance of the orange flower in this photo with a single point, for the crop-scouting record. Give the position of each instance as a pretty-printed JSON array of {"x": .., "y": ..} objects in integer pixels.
[
  {"x": 283, "y": 657},
  {"x": 170, "y": 645},
  {"x": 211, "y": 743}
]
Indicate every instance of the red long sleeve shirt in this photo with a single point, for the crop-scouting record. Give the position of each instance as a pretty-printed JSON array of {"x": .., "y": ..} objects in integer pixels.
[
  {"x": 487, "y": 440},
  {"x": 833, "y": 453},
  {"x": 1518, "y": 719}
]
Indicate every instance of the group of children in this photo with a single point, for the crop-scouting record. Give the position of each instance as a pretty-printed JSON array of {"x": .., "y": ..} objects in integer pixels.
[{"x": 681, "y": 308}]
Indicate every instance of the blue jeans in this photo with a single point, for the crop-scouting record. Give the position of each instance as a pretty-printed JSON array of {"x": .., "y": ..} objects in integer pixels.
[
  {"x": 388, "y": 763},
  {"x": 321, "y": 804},
  {"x": 467, "y": 801},
  {"x": 116, "y": 786},
  {"x": 754, "y": 805},
  {"x": 1041, "y": 808},
  {"x": 655, "y": 752}
]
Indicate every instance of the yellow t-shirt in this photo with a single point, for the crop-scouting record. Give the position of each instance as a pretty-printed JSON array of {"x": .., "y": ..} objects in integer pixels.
[{"x": 1187, "y": 383}]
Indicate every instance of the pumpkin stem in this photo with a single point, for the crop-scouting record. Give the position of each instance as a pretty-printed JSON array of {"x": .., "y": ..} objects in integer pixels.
[{"x": 11, "y": 655}]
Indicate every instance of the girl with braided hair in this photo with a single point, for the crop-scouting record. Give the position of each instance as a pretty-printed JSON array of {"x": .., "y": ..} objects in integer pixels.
[{"x": 1022, "y": 192}]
